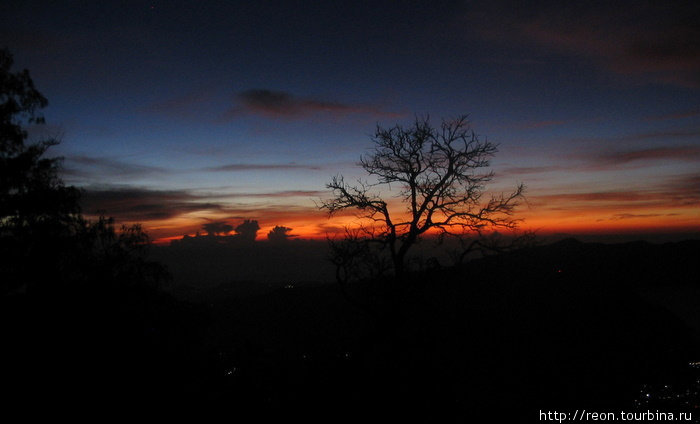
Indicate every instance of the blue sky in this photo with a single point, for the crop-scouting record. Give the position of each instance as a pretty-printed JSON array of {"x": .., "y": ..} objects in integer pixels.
[{"x": 175, "y": 114}]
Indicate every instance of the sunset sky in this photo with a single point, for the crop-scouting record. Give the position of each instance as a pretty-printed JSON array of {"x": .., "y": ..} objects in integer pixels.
[{"x": 174, "y": 114}]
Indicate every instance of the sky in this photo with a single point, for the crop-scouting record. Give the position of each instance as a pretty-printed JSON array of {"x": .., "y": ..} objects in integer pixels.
[{"x": 176, "y": 114}]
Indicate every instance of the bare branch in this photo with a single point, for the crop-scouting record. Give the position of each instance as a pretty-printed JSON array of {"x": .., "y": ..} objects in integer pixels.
[{"x": 441, "y": 172}]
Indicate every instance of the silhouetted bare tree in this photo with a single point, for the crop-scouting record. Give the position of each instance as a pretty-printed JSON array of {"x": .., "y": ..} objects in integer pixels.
[{"x": 441, "y": 176}]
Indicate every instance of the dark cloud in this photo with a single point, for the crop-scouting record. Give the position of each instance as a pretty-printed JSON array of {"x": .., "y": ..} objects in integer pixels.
[
  {"x": 597, "y": 160},
  {"x": 677, "y": 153},
  {"x": 271, "y": 212},
  {"x": 139, "y": 204},
  {"x": 331, "y": 230},
  {"x": 683, "y": 189},
  {"x": 88, "y": 166},
  {"x": 605, "y": 196},
  {"x": 653, "y": 38},
  {"x": 662, "y": 135},
  {"x": 217, "y": 227},
  {"x": 286, "y": 193},
  {"x": 600, "y": 161},
  {"x": 268, "y": 194},
  {"x": 280, "y": 104},
  {"x": 235, "y": 167},
  {"x": 136, "y": 204},
  {"x": 667, "y": 134},
  {"x": 668, "y": 193},
  {"x": 622, "y": 216},
  {"x": 526, "y": 170},
  {"x": 677, "y": 115}
]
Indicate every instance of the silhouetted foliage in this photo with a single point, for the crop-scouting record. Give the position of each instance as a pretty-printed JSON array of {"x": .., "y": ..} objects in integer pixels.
[
  {"x": 20, "y": 101},
  {"x": 45, "y": 242},
  {"x": 79, "y": 300},
  {"x": 279, "y": 234},
  {"x": 217, "y": 228},
  {"x": 248, "y": 230},
  {"x": 441, "y": 181},
  {"x": 118, "y": 259},
  {"x": 38, "y": 213}
]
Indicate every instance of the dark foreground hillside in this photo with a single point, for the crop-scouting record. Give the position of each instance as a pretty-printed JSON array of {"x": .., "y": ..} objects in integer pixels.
[
  {"x": 569, "y": 325},
  {"x": 558, "y": 327}
]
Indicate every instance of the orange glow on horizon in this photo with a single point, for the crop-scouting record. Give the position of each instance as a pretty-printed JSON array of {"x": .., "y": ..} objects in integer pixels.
[
  {"x": 546, "y": 215},
  {"x": 593, "y": 222}
]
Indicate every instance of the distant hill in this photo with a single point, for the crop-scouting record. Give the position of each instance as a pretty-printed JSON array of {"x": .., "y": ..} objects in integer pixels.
[
  {"x": 209, "y": 263},
  {"x": 637, "y": 263},
  {"x": 255, "y": 327},
  {"x": 566, "y": 325}
]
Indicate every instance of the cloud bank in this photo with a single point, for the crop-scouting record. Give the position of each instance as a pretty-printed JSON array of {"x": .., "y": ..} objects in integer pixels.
[
  {"x": 281, "y": 104},
  {"x": 660, "y": 40}
]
